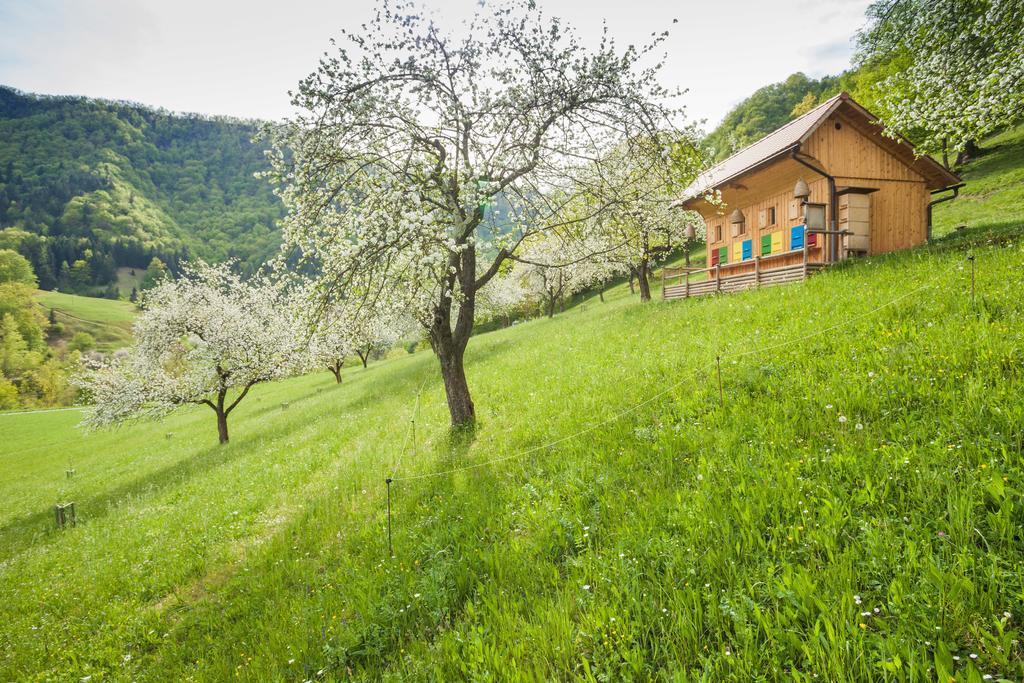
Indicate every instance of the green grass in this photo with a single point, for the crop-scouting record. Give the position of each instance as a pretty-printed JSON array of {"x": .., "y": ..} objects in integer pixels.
[
  {"x": 683, "y": 540},
  {"x": 994, "y": 193},
  {"x": 108, "y": 321},
  {"x": 126, "y": 281}
]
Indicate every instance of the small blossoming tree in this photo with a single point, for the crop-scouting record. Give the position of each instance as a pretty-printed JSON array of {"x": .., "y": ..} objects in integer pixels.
[
  {"x": 206, "y": 338},
  {"x": 639, "y": 184},
  {"x": 407, "y": 135}
]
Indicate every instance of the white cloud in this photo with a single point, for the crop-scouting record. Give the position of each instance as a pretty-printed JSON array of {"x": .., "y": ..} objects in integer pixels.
[{"x": 240, "y": 59}]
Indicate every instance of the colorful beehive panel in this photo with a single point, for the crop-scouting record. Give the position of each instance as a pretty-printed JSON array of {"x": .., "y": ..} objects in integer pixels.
[
  {"x": 714, "y": 257},
  {"x": 737, "y": 251},
  {"x": 766, "y": 245},
  {"x": 777, "y": 242},
  {"x": 723, "y": 255},
  {"x": 796, "y": 237},
  {"x": 748, "y": 249}
]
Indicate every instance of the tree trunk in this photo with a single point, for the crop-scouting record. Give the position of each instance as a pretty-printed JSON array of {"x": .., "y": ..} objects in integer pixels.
[
  {"x": 970, "y": 151},
  {"x": 222, "y": 424},
  {"x": 551, "y": 307},
  {"x": 643, "y": 279},
  {"x": 456, "y": 389},
  {"x": 686, "y": 255},
  {"x": 449, "y": 341},
  {"x": 600, "y": 294},
  {"x": 336, "y": 371},
  {"x": 363, "y": 356},
  {"x": 632, "y": 288},
  {"x": 945, "y": 153}
]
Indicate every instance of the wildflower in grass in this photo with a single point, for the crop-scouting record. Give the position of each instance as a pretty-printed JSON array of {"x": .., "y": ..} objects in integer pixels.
[
  {"x": 973, "y": 656},
  {"x": 586, "y": 586},
  {"x": 856, "y": 599},
  {"x": 859, "y": 426},
  {"x": 941, "y": 534},
  {"x": 842, "y": 418}
]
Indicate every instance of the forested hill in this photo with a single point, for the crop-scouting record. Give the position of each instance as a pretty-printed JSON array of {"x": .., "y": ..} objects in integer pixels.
[
  {"x": 87, "y": 186},
  {"x": 774, "y": 105}
]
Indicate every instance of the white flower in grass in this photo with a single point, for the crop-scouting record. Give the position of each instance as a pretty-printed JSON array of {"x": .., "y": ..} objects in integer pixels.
[
  {"x": 987, "y": 677},
  {"x": 859, "y": 426},
  {"x": 842, "y": 418},
  {"x": 586, "y": 586},
  {"x": 974, "y": 656},
  {"x": 856, "y": 599}
]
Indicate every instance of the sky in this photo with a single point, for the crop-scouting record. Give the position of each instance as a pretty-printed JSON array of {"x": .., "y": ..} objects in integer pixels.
[{"x": 241, "y": 58}]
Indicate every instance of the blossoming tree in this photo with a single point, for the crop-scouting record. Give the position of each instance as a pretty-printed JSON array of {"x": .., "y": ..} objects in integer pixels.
[
  {"x": 405, "y": 136},
  {"x": 206, "y": 338},
  {"x": 639, "y": 184},
  {"x": 965, "y": 73}
]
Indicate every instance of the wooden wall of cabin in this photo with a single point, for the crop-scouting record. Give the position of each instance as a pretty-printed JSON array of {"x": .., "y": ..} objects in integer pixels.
[
  {"x": 899, "y": 210},
  {"x": 760, "y": 191}
]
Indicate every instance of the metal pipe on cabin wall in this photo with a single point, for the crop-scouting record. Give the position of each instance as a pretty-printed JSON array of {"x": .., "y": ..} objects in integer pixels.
[
  {"x": 833, "y": 205},
  {"x": 956, "y": 192}
]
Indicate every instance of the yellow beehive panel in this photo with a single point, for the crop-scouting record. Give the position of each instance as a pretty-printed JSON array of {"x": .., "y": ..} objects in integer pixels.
[
  {"x": 737, "y": 251},
  {"x": 777, "y": 242}
]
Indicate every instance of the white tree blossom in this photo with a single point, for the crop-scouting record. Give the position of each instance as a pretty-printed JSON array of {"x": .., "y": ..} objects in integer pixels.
[
  {"x": 966, "y": 73},
  {"x": 205, "y": 338},
  {"x": 407, "y": 134},
  {"x": 351, "y": 328},
  {"x": 501, "y": 297}
]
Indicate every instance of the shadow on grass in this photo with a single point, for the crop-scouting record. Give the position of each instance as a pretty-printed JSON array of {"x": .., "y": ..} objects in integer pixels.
[{"x": 23, "y": 531}]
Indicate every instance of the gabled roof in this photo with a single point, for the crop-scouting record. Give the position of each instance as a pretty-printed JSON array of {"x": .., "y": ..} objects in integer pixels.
[{"x": 789, "y": 137}]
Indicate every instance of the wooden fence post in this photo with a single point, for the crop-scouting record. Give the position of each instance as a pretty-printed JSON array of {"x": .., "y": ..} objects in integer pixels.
[
  {"x": 806, "y": 255},
  {"x": 687, "y": 291},
  {"x": 757, "y": 271},
  {"x": 718, "y": 278}
]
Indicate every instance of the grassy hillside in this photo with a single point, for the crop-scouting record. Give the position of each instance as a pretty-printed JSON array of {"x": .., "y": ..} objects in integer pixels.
[
  {"x": 865, "y": 460},
  {"x": 108, "y": 321},
  {"x": 851, "y": 511},
  {"x": 994, "y": 194}
]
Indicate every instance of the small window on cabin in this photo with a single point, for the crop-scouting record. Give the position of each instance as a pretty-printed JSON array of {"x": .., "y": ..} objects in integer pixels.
[
  {"x": 771, "y": 216},
  {"x": 718, "y": 233}
]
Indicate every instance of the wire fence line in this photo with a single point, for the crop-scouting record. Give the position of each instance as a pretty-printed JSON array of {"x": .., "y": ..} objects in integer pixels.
[
  {"x": 687, "y": 377},
  {"x": 411, "y": 434}
]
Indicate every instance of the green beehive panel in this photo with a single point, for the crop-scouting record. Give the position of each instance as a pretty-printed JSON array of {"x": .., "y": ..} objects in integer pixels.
[
  {"x": 766, "y": 245},
  {"x": 723, "y": 255}
]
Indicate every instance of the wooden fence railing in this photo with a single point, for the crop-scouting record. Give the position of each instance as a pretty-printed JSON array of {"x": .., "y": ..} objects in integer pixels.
[{"x": 716, "y": 281}]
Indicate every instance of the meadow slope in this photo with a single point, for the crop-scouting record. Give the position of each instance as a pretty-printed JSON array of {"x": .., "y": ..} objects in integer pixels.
[{"x": 851, "y": 511}]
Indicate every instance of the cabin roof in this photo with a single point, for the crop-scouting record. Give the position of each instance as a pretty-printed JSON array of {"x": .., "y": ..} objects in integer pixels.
[{"x": 789, "y": 137}]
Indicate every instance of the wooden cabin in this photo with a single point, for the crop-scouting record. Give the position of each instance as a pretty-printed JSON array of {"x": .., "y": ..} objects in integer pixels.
[{"x": 824, "y": 187}]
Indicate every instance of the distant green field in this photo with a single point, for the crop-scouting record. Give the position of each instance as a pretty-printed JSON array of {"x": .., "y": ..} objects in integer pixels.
[
  {"x": 850, "y": 509},
  {"x": 108, "y": 321},
  {"x": 126, "y": 280}
]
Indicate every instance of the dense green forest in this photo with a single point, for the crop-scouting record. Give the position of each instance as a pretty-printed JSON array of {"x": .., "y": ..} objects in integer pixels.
[{"x": 88, "y": 186}]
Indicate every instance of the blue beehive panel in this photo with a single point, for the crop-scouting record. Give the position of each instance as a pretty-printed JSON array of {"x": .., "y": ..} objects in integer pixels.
[
  {"x": 747, "y": 250},
  {"x": 796, "y": 237}
]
